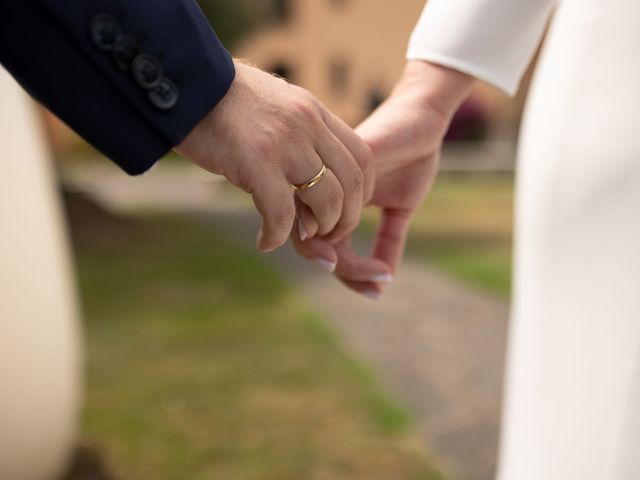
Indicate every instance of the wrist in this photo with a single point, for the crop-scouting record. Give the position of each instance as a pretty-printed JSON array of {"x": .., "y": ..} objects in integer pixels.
[{"x": 435, "y": 86}]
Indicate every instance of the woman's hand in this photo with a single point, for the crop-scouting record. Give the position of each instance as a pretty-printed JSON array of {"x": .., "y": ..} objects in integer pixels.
[
  {"x": 405, "y": 135},
  {"x": 266, "y": 135}
]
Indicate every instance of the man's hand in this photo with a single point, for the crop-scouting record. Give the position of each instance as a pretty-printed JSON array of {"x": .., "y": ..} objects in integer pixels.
[
  {"x": 405, "y": 134},
  {"x": 266, "y": 135}
]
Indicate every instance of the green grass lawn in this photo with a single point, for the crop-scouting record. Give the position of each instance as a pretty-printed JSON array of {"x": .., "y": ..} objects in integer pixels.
[
  {"x": 204, "y": 364},
  {"x": 465, "y": 229}
]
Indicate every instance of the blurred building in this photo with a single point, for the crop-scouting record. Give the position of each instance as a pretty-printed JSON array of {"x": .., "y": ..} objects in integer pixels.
[{"x": 349, "y": 53}]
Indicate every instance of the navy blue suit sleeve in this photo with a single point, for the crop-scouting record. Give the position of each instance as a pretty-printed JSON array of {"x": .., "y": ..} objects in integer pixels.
[{"x": 131, "y": 77}]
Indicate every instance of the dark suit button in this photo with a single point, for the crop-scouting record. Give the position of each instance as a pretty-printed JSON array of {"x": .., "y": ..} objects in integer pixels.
[
  {"x": 165, "y": 95},
  {"x": 125, "y": 49},
  {"x": 104, "y": 30},
  {"x": 147, "y": 71}
]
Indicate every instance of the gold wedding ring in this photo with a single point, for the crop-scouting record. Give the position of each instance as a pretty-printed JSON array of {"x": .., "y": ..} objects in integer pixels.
[{"x": 307, "y": 185}]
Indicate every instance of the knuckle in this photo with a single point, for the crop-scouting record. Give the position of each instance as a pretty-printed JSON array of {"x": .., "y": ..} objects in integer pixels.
[
  {"x": 242, "y": 179},
  {"x": 366, "y": 163},
  {"x": 365, "y": 159},
  {"x": 266, "y": 143},
  {"x": 347, "y": 224},
  {"x": 357, "y": 181},
  {"x": 367, "y": 154},
  {"x": 391, "y": 236},
  {"x": 306, "y": 109},
  {"x": 282, "y": 217},
  {"x": 334, "y": 202},
  {"x": 338, "y": 232},
  {"x": 341, "y": 230}
]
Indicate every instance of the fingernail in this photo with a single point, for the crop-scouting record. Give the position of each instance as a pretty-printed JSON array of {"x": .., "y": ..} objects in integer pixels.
[
  {"x": 302, "y": 230},
  {"x": 372, "y": 294},
  {"x": 381, "y": 278},
  {"x": 327, "y": 265}
]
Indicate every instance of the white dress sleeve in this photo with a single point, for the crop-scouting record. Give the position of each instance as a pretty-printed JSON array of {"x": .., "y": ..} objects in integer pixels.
[{"x": 492, "y": 40}]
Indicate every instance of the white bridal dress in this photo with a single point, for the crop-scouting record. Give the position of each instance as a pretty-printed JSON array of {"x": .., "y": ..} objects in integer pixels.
[
  {"x": 39, "y": 364},
  {"x": 572, "y": 405}
]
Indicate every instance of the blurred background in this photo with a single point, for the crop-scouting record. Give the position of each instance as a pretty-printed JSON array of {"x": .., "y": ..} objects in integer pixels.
[{"x": 205, "y": 360}]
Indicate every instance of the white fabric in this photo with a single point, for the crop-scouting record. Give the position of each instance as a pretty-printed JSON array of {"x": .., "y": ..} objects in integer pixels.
[
  {"x": 572, "y": 405},
  {"x": 492, "y": 40},
  {"x": 39, "y": 361}
]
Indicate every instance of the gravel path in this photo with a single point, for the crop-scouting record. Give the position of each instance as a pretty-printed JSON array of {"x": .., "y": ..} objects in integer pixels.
[{"x": 437, "y": 346}]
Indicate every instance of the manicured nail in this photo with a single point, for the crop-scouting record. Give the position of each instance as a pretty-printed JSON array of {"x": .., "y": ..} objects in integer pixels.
[
  {"x": 381, "y": 278},
  {"x": 302, "y": 230},
  {"x": 372, "y": 294},
  {"x": 327, "y": 265}
]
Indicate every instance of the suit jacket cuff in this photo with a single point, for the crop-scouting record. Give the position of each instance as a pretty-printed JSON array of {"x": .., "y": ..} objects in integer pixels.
[{"x": 53, "y": 48}]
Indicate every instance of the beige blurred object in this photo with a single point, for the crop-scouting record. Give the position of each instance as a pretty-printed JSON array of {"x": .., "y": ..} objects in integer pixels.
[
  {"x": 63, "y": 140},
  {"x": 39, "y": 354},
  {"x": 350, "y": 53}
]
